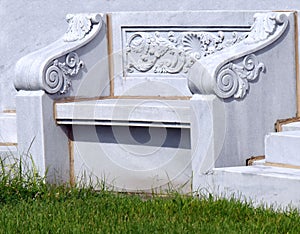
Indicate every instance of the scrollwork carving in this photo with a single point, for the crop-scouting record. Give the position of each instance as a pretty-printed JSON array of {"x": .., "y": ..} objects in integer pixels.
[
  {"x": 220, "y": 75},
  {"x": 57, "y": 78},
  {"x": 52, "y": 67},
  {"x": 233, "y": 80}
]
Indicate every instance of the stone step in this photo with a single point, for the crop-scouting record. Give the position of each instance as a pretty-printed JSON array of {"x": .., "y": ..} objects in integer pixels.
[
  {"x": 8, "y": 152},
  {"x": 295, "y": 126},
  {"x": 283, "y": 148},
  {"x": 262, "y": 185},
  {"x": 8, "y": 128}
]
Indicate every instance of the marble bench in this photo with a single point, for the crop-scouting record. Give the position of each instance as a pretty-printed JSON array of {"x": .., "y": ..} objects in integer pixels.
[{"x": 148, "y": 101}]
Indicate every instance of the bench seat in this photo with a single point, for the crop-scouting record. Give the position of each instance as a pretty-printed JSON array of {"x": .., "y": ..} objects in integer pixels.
[{"x": 125, "y": 112}]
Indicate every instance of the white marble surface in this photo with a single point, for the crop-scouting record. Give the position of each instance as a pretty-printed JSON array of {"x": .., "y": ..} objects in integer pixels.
[
  {"x": 40, "y": 140},
  {"x": 47, "y": 23},
  {"x": 8, "y": 129},
  {"x": 207, "y": 133},
  {"x": 133, "y": 158},
  {"x": 283, "y": 147},
  {"x": 247, "y": 121},
  {"x": 142, "y": 110},
  {"x": 295, "y": 126},
  {"x": 128, "y": 24},
  {"x": 131, "y": 144},
  {"x": 9, "y": 153},
  {"x": 260, "y": 185}
]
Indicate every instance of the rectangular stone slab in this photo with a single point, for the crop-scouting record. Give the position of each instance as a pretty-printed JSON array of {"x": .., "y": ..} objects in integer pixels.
[
  {"x": 260, "y": 185},
  {"x": 283, "y": 148},
  {"x": 173, "y": 112}
]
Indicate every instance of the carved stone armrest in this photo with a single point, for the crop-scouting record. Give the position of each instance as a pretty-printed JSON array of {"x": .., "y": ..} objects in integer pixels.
[
  {"x": 41, "y": 70},
  {"x": 218, "y": 74}
]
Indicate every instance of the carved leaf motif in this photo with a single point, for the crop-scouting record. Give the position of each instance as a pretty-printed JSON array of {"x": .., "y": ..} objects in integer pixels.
[
  {"x": 264, "y": 26},
  {"x": 79, "y": 26}
]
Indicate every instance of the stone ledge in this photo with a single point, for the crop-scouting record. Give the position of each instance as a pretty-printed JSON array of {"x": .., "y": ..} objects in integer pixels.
[
  {"x": 137, "y": 111},
  {"x": 261, "y": 185},
  {"x": 295, "y": 126},
  {"x": 283, "y": 147}
]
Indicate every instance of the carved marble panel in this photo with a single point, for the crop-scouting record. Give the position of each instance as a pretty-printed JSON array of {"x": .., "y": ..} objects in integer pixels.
[{"x": 173, "y": 50}]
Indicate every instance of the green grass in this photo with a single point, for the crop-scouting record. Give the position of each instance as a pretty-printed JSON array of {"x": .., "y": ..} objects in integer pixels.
[{"x": 27, "y": 205}]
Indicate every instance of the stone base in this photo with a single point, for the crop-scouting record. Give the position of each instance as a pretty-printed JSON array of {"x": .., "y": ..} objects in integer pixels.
[{"x": 261, "y": 185}]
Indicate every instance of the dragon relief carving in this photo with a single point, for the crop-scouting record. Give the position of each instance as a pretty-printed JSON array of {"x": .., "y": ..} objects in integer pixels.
[
  {"x": 176, "y": 53},
  {"x": 58, "y": 75}
]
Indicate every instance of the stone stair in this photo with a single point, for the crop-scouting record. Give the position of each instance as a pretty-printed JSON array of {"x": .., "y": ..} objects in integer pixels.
[
  {"x": 8, "y": 135},
  {"x": 273, "y": 182},
  {"x": 283, "y": 148}
]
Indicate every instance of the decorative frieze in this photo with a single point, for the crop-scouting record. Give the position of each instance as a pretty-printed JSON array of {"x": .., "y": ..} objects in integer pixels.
[{"x": 174, "y": 52}]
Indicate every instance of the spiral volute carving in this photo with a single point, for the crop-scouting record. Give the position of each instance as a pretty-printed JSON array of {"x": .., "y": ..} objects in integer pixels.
[
  {"x": 57, "y": 77},
  {"x": 54, "y": 79},
  {"x": 226, "y": 82}
]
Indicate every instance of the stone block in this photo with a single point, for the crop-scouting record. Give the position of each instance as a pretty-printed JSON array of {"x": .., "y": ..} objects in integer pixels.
[
  {"x": 283, "y": 148},
  {"x": 295, "y": 126},
  {"x": 8, "y": 129},
  {"x": 260, "y": 185},
  {"x": 42, "y": 144},
  {"x": 130, "y": 144}
]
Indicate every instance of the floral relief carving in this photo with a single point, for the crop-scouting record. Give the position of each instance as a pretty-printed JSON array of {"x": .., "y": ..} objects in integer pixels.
[{"x": 175, "y": 53}]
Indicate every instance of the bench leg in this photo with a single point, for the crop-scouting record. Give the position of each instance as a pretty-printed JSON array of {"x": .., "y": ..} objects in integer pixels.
[
  {"x": 207, "y": 135},
  {"x": 41, "y": 143}
]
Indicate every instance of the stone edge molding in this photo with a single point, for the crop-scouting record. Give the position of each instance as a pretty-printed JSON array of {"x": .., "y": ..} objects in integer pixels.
[
  {"x": 44, "y": 69},
  {"x": 218, "y": 75}
]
